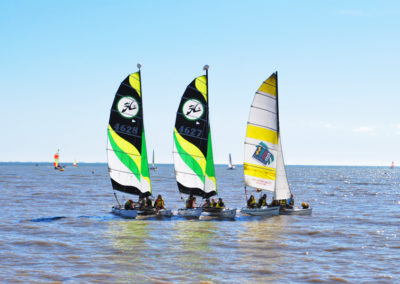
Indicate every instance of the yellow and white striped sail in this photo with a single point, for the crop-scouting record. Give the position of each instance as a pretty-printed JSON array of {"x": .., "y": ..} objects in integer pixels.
[{"x": 263, "y": 159}]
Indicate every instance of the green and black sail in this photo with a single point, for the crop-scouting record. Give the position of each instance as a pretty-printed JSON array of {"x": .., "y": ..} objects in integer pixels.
[
  {"x": 126, "y": 150},
  {"x": 193, "y": 156}
]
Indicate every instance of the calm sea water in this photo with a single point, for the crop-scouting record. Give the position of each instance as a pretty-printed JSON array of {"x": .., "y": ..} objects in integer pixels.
[{"x": 57, "y": 226}]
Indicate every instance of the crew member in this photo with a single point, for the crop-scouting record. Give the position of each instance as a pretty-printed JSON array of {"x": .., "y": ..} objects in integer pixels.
[
  {"x": 159, "y": 203},
  {"x": 129, "y": 205},
  {"x": 262, "y": 201},
  {"x": 220, "y": 204},
  {"x": 251, "y": 203}
]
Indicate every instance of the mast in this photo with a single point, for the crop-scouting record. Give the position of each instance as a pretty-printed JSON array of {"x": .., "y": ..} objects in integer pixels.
[{"x": 277, "y": 103}]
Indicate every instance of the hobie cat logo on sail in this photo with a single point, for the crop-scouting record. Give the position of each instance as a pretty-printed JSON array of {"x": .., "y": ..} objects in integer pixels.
[
  {"x": 128, "y": 107},
  {"x": 192, "y": 109},
  {"x": 263, "y": 155}
]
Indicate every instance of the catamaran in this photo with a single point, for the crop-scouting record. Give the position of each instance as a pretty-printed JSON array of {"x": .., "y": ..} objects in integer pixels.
[
  {"x": 57, "y": 165},
  {"x": 126, "y": 149},
  {"x": 193, "y": 156},
  {"x": 230, "y": 165},
  {"x": 264, "y": 167},
  {"x": 153, "y": 166}
]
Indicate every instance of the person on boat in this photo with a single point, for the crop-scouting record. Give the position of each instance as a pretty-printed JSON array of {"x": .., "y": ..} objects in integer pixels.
[
  {"x": 275, "y": 203},
  {"x": 159, "y": 203},
  {"x": 262, "y": 201},
  {"x": 191, "y": 202},
  {"x": 213, "y": 203},
  {"x": 220, "y": 204},
  {"x": 140, "y": 202},
  {"x": 129, "y": 205},
  {"x": 206, "y": 204},
  {"x": 251, "y": 203},
  {"x": 148, "y": 203},
  {"x": 290, "y": 201}
]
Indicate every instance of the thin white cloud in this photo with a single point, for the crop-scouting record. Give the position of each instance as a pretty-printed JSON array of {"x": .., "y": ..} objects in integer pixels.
[{"x": 366, "y": 129}]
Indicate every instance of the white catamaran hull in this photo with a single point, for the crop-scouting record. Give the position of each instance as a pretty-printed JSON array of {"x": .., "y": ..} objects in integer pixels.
[
  {"x": 263, "y": 211},
  {"x": 295, "y": 211},
  {"x": 165, "y": 213},
  {"x": 224, "y": 213},
  {"x": 124, "y": 213},
  {"x": 151, "y": 212},
  {"x": 190, "y": 213}
]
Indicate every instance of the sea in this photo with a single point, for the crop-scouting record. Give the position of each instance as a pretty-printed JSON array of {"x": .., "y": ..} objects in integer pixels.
[{"x": 57, "y": 227}]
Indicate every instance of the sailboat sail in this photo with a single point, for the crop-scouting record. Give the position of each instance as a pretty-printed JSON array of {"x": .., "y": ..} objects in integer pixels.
[
  {"x": 126, "y": 150},
  {"x": 152, "y": 163},
  {"x": 264, "y": 167},
  {"x": 193, "y": 156},
  {"x": 230, "y": 161},
  {"x": 56, "y": 158}
]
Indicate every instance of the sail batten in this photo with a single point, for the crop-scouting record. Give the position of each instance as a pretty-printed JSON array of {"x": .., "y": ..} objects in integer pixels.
[
  {"x": 193, "y": 157},
  {"x": 126, "y": 147}
]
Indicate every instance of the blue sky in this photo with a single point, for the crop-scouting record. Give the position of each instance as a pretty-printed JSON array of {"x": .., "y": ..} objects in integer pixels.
[{"x": 338, "y": 64}]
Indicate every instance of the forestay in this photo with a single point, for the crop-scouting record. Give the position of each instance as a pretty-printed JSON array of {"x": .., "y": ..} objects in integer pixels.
[
  {"x": 126, "y": 150},
  {"x": 263, "y": 160},
  {"x": 193, "y": 156}
]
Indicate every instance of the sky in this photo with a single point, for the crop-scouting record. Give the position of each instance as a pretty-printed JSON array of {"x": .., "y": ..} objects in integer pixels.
[{"x": 338, "y": 65}]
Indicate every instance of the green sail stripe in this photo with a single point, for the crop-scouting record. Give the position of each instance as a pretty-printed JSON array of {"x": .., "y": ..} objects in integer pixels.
[
  {"x": 145, "y": 165},
  {"x": 210, "y": 169},
  {"x": 189, "y": 160},
  {"x": 124, "y": 157}
]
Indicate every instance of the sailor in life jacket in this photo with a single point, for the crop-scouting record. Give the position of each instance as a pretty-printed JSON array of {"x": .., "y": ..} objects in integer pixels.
[
  {"x": 262, "y": 201},
  {"x": 129, "y": 205},
  {"x": 251, "y": 203},
  {"x": 290, "y": 201},
  {"x": 159, "y": 202},
  {"x": 191, "y": 202},
  {"x": 220, "y": 204}
]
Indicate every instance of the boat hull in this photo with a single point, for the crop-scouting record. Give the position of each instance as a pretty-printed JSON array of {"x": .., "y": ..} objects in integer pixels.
[
  {"x": 190, "y": 213},
  {"x": 263, "y": 211},
  {"x": 295, "y": 211},
  {"x": 124, "y": 213},
  {"x": 165, "y": 213},
  {"x": 224, "y": 213}
]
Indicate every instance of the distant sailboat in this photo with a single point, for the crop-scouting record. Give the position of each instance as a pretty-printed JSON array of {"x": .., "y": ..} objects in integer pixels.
[
  {"x": 75, "y": 164},
  {"x": 230, "y": 165},
  {"x": 193, "y": 155},
  {"x": 264, "y": 167},
  {"x": 56, "y": 163},
  {"x": 392, "y": 166},
  {"x": 126, "y": 150},
  {"x": 153, "y": 166}
]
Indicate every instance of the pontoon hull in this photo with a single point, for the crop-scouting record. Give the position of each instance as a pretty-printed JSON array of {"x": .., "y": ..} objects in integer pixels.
[
  {"x": 124, "y": 213},
  {"x": 295, "y": 211},
  {"x": 190, "y": 213},
  {"x": 224, "y": 213},
  {"x": 263, "y": 211}
]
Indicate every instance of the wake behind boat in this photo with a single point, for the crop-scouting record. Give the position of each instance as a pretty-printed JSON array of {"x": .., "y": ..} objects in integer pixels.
[{"x": 193, "y": 156}]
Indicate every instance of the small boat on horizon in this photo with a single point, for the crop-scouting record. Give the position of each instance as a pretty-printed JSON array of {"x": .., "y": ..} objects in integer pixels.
[
  {"x": 230, "y": 165},
  {"x": 153, "y": 166}
]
